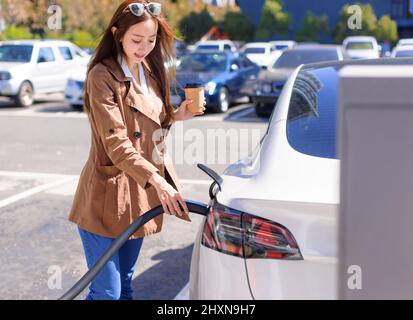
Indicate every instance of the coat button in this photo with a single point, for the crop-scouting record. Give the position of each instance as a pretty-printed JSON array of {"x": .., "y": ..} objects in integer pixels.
[
  {"x": 137, "y": 135},
  {"x": 111, "y": 131}
]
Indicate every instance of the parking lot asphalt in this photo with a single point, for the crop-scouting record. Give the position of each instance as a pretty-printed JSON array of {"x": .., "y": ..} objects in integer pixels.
[{"x": 43, "y": 150}]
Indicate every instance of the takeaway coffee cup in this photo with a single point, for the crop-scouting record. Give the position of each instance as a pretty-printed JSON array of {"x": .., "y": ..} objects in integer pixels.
[{"x": 195, "y": 91}]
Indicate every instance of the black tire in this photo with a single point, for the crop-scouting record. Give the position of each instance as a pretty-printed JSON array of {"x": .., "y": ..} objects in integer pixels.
[
  {"x": 224, "y": 101},
  {"x": 76, "y": 107},
  {"x": 260, "y": 112},
  {"x": 24, "y": 97}
]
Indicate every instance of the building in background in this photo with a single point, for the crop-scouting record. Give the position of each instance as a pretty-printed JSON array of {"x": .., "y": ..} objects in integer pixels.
[{"x": 399, "y": 10}]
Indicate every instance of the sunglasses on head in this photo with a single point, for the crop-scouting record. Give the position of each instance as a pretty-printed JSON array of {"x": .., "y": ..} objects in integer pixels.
[{"x": 138, "y": 9}]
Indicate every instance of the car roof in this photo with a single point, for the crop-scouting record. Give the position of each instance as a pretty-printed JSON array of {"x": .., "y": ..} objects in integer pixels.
[
  {"x": 367, "y": 62},
  {"x": 212, "y": 42},
  {"x": 282, "y": 41},
  {"x": 360, "y": 38},
  {"x": 35, "y": 41},
  {"x": 257, "y": 44},
  {"x": 228, "y": 53},
  {"x": 406, "y": 40},
  {"x": 405, "y": 47}
]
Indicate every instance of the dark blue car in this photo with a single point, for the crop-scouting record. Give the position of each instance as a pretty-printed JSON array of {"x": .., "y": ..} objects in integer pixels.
[{"x": 222, "y": 73}]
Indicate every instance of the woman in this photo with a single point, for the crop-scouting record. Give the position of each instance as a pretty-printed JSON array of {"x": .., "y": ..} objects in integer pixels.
[{"x": 128, "y": 171}]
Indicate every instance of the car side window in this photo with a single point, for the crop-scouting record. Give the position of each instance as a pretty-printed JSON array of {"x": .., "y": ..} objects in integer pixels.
[
  {"x": 46, "y": 55},
  {"x": 247, "y": 62},
  {"x": 66, "y": 53},
  {"x": 79, "y": 52},
  {"x": 227, "y": 47}
]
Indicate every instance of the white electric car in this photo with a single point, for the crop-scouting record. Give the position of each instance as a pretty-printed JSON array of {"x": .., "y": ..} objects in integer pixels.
[{"x": 271, "y": 232}]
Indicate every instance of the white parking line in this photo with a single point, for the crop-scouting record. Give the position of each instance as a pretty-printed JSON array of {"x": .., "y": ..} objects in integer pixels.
[
  {"x": 62, "y": 179},
  {"x": 240, "y": 114},
  {"x": 32, "y": 191},
  {"x": 58, "y": 180},
  {"x": 35, "y": 175},
  {"x": 34, "y": 114}
]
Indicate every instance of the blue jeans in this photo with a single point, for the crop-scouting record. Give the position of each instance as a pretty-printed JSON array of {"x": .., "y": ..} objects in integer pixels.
[{"x": 114, "y": 281}]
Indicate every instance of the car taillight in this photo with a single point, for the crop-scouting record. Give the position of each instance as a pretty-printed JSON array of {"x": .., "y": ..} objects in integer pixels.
[
  {"x": 240, "y": 234},
  {"x": 267, "y": 239},
  {"x": 222, "y": 231}
]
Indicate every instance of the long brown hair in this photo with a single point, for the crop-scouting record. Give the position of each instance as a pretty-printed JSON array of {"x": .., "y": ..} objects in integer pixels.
[{"x": 163, "y": 52}]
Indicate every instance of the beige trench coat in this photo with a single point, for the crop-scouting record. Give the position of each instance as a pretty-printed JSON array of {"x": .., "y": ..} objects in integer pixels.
[{"x": 126, "y": 149}]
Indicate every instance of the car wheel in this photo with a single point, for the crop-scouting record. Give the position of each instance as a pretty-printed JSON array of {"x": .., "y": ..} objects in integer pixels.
[
  {"x": 260, "y": 111},
  {"x": 223, "y": 98},
  {"x": 24, "y": 97},
  {"x": 77, "y": 107}
]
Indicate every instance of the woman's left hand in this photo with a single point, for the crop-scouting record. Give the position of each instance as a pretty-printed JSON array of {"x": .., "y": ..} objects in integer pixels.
[{"x": 183, "y": 113}]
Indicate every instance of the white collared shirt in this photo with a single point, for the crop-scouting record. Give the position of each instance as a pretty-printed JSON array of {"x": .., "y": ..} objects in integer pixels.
[{"x": 128, "y": 74}]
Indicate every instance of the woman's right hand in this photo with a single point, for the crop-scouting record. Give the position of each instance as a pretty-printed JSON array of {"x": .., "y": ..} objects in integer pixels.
[{"x": 169, "y": 197}]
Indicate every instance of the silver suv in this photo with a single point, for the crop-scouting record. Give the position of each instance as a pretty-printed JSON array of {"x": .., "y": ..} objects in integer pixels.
[{"x": 30, "y": 67}]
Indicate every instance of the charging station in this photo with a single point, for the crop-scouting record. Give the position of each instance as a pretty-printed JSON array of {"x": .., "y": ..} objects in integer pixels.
[{"x": 376, "y": 183}]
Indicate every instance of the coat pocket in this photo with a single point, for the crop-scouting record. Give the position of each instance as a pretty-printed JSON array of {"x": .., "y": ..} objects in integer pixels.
[{"x": 117, "y": 198}]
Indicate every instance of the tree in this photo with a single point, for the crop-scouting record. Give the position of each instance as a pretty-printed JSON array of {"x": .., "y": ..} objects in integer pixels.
[
  {"x": 386, "y": 30},
  {"x": 368, "y": 23},
  {"x": 274, "y": 22},
  {"x": 195, "y": 25},
  {"x": 175, "y": 11},
  {"x": 313, "y": 27},
  {"x": 239, "y": 26}
]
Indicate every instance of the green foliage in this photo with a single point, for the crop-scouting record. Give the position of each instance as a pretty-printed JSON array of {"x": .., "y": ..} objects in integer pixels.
[
  {"x": 386, "y": 30},
  {"x": 83, "y": 39},
  {"x": 313, "y": 27},
  {"x": 274, "y": 22},
  {"x": 239, "y": 26},
  {"x": 195, "y": 25},
  {"x": 14, "y": 32},
  {"x": 368, "y": 23}
]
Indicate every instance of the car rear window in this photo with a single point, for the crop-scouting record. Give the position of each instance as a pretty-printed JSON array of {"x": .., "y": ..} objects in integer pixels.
[
  {"x": 254, "y": 50},
  {"x": 293, "y": 58},
  {"x": 312, "y": 113},
  {"x": 359, "y": 45},
  {"x": 404, "y": 53},
  {"x": 208, "y": 47}
]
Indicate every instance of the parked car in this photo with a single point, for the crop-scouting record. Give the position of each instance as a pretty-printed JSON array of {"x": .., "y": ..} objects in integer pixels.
[
  {"x": 180, "y": 48},
  {"x": 402, "y": 51},
  {"x": 271, "y": 232},
  {"x": 280, "y": 45},
  {"x": 30, "y": 67},
  {"x": 405, "y": 42},
  {"x": 362, "y": 47},
  {"x": 265, "y": 90},
  {"x": 261, "y": 53},
  {"x": 222, "y": 73},
  {"x": 74, "y": 88},
  {"x": 217, "y": 45}
]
